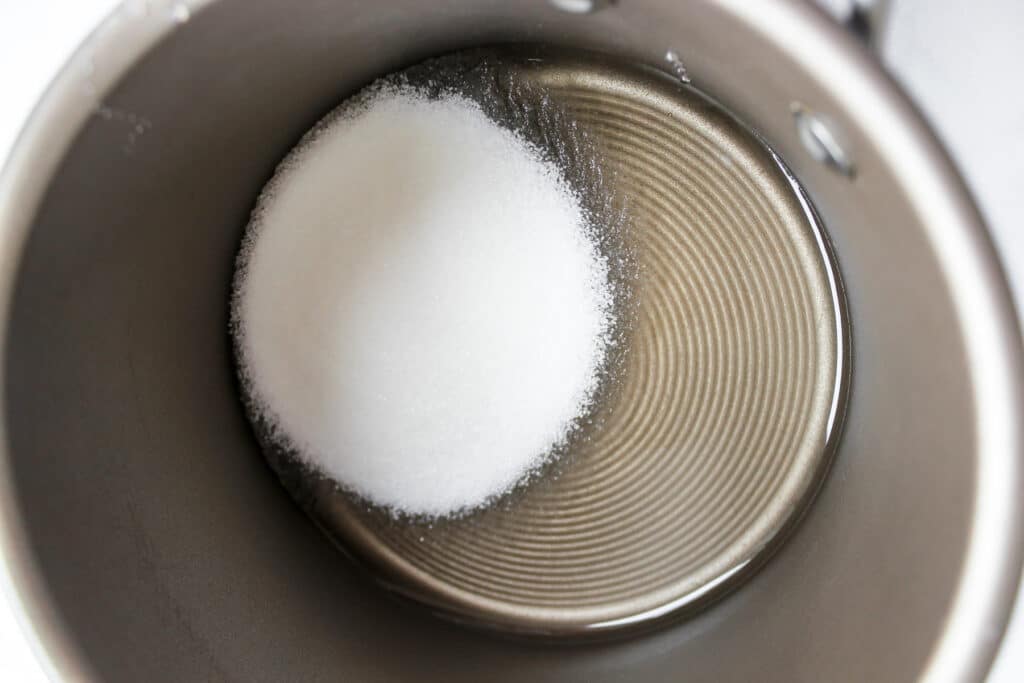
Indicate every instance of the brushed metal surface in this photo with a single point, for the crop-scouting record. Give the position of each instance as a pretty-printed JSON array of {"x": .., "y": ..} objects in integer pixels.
[
  {"x": 143, "y": 533},
  {"x": 717, "y": 431}
]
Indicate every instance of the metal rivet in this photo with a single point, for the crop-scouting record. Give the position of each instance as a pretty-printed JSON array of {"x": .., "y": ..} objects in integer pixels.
[
  {"x": 822, "y": 140},
  {"x": 580, "y": 6},
  {"x": 180, "y": 12}
]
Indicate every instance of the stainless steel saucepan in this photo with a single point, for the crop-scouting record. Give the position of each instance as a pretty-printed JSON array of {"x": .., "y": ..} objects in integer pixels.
[{"x": 146, "y": 539}]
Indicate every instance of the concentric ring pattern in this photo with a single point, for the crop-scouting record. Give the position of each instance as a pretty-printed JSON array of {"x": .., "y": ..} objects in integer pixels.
[{"x": 718, "y": 431}]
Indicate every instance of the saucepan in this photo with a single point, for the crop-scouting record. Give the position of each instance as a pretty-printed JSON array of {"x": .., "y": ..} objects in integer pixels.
[{"x": 146, "y": 539}]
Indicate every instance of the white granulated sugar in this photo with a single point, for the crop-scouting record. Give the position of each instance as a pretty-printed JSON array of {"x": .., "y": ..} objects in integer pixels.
[{"x": 421, "y": 311}]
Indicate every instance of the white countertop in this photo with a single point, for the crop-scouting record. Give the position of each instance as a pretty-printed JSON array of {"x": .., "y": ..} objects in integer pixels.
[{"x": 961, "y": 60}]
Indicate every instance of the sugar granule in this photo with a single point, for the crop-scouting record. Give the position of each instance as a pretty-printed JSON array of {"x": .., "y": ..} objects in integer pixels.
[{"x": 420, "y": 311}]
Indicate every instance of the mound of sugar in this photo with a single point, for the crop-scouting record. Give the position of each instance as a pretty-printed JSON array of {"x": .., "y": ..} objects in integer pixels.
[{"x": 420, "y": 310}]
